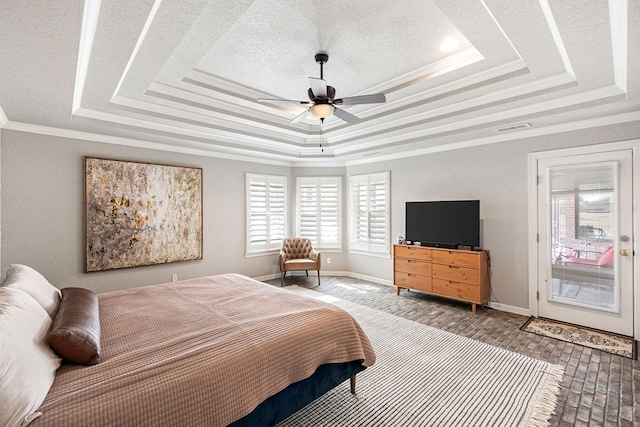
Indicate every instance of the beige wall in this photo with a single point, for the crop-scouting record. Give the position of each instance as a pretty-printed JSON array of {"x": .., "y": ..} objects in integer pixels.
[
  {"x": 496, "y": 174},
  {"x": 42, "y": 186},
  {"x": 43, "y": 216}
]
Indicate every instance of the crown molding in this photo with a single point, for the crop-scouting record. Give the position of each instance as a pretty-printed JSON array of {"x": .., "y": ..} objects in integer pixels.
[
  {"x": 523, "y": 134},
  {"x": 3, "y": 119},
  {"x": 197, "y": 150},
  {"x": 618, "y": 15},
  {"x": 215, "y": 137},
  {"x": 90, "y": 17},
  {"x": 574, "y": 101},
  {"x": 215, "y": 119},
  {"x": 249, "y": 156},
  {"x": 520, "y": 91}
]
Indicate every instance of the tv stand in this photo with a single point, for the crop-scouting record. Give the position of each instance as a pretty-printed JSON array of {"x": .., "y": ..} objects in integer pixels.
[{"x": 452, "y": 273}]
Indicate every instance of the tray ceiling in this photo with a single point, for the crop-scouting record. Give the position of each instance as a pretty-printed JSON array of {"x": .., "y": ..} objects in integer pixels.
[{"x": 185, "y": 75}]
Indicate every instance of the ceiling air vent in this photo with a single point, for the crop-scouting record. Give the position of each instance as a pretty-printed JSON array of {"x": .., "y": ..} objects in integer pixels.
[{"x": 514, "y": 127}]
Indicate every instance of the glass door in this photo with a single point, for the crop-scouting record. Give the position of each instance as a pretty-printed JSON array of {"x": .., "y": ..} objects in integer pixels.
[{"x": 585, "y": 246}]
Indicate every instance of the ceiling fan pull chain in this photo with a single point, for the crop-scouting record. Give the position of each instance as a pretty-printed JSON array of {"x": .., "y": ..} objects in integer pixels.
[{"x": 321, "y": 126}]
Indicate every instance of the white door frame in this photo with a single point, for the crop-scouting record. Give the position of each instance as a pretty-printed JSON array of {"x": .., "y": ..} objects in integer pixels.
[{"x": 534, "y": 268}]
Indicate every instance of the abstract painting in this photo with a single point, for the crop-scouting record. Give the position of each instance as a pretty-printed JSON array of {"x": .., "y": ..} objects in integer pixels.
[{"x": 140, "y": 214}]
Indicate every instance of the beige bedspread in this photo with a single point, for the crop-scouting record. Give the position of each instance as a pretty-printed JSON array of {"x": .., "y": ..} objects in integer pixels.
[{"x": 205, "y": 351}]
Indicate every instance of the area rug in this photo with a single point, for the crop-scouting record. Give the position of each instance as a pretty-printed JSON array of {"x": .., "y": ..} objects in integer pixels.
[
  {"x": 599, "y": 340},
  {"x": 424, "y": 376}
]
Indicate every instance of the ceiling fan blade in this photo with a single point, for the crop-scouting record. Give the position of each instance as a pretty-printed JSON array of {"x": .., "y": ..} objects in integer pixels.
[
  {"x": 347, "y": 117},
  {"x": 363, "y": 99},
  {"x": 318, "y": 87},
  {"x": 300, "y": 117},
  {"x": 268, "y": 101}
]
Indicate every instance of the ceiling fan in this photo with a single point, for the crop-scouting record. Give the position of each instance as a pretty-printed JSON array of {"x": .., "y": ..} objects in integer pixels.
[{"x": 322, "y": 102}]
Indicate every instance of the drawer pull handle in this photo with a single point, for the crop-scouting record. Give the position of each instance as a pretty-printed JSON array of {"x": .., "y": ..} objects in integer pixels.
[{"x": 453, "y": 266}]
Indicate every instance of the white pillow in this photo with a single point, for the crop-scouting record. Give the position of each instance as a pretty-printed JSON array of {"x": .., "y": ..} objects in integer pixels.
[
  {"x": 30, "y": 281},
  {"x": 28, "y": 364}
]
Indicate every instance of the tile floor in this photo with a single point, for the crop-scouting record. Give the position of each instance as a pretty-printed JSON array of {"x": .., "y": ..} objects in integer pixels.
[{"x": 599, "y": 389}]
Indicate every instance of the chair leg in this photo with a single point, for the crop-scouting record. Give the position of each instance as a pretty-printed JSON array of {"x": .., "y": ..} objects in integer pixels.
[
  {"x": 307, "y": 271},
  {"x": 282, "y": 274},
  {"x": 318, "y": 277}
]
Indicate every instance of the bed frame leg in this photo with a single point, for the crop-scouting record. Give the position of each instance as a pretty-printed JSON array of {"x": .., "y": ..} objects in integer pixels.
[{"x": 353, "y": 384}]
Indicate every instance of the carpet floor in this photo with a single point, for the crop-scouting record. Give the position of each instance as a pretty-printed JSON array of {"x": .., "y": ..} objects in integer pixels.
[
  {"x": 424, "y": 376},
  {"x": 599, "y": 340}
]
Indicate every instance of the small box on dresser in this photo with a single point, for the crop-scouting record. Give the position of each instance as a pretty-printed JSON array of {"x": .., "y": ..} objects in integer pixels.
[{"x": 452, "y": 273}]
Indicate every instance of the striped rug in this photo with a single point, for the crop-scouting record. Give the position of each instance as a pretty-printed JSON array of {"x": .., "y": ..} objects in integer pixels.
[{"x": 424, "y": 376}]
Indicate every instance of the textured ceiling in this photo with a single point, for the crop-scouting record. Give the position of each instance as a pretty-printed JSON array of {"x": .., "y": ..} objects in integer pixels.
[{"x": 184, "y": 75}]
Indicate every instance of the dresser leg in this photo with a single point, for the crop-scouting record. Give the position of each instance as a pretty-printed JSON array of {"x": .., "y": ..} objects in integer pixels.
[
  {"x": 473, "y": 307},
  {"x": 398, "y": 290}
]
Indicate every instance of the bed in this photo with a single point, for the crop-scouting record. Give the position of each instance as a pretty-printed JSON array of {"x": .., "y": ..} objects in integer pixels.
[{"x": 218, "y": 350}]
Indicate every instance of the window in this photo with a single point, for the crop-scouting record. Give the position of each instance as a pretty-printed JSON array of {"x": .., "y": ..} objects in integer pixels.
[
  {"x": 583, "y": 211},
  {"x": 266, "y": 212},
  {"x": 369, "y": 212},
  {"x": 319, "y": 211}
]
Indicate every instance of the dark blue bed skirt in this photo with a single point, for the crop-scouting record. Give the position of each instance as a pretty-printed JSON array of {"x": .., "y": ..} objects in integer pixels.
[{"x": 295, "y": 397}]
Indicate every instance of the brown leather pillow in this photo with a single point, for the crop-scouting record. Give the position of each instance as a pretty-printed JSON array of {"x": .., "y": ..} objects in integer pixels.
[{"x": 75, "y": 334}]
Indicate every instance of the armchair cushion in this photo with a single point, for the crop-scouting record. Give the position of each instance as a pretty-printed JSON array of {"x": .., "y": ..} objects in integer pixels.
[{"x": 300, "y": 264}]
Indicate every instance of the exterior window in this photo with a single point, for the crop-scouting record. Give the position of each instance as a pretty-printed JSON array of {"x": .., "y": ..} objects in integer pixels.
[
  {"x": 319, "y": 211},
  {"x": 369, "y": 213},
  {"x": 266, "y": 197},
  {"x": 583, "y": 214}
]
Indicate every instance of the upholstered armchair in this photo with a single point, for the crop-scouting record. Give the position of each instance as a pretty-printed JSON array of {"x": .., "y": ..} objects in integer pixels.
[{"x": 298, "y": 254}]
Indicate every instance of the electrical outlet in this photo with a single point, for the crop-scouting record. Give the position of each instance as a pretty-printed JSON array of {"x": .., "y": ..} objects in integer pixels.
[
  {"x": 174, "y": 277},
  {"x": 328, "y": 260}
]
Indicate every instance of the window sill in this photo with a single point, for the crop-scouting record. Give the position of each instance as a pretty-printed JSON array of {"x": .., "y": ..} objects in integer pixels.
[
  {"x": 329, "y": 250},
  {"x": 385, "y": 255},
  {"x": 261, "y": 253}
]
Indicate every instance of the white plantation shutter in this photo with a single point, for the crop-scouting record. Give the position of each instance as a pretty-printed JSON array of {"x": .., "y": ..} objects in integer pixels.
[
  {"x": 266, "y": 212},
  {"x": 359, "y": 212},
  {"x": 370, "y": 205},
  {"x": 319, "y": 208}
]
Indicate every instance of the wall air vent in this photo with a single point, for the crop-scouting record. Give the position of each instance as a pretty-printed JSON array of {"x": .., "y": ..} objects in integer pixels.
[{"x": 514, "y": 127}]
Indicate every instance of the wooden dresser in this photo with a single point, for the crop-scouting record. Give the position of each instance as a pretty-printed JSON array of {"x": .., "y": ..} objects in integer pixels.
[{"x": 459, "y": 274}]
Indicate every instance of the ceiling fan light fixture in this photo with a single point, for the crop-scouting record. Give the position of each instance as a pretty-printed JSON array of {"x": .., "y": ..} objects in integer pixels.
[{"x": 321, "y": 111}]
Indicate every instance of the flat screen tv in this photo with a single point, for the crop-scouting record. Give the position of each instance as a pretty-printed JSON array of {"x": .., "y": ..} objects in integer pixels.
[{"x": 447, "y": 224}]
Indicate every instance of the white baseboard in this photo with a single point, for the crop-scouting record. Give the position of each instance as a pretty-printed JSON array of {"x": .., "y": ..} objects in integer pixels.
[
  {"x": 322, "y": 273},
  {"x": 493, "y": 304},
  {"x": 370, "y": 279},
  {"x": 509, "y": 308}
]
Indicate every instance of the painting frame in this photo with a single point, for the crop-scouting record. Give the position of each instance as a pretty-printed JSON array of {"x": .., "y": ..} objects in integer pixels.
[{"x": 140, "y": 214}]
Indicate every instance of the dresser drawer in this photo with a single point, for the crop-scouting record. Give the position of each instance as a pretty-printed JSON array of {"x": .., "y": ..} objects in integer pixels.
[
  {"x": 415, "y": 252},
  {"x": 413, "y": 281},
  {"x": 461, "y": 259},
  {"x": 456, "y": 274},
  {"x": 412, "y": 266},
  {"x": 457, "y": 290}
]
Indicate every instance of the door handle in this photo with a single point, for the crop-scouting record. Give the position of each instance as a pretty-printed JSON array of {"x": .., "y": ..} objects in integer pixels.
[{"x": 624, "y": 252}]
